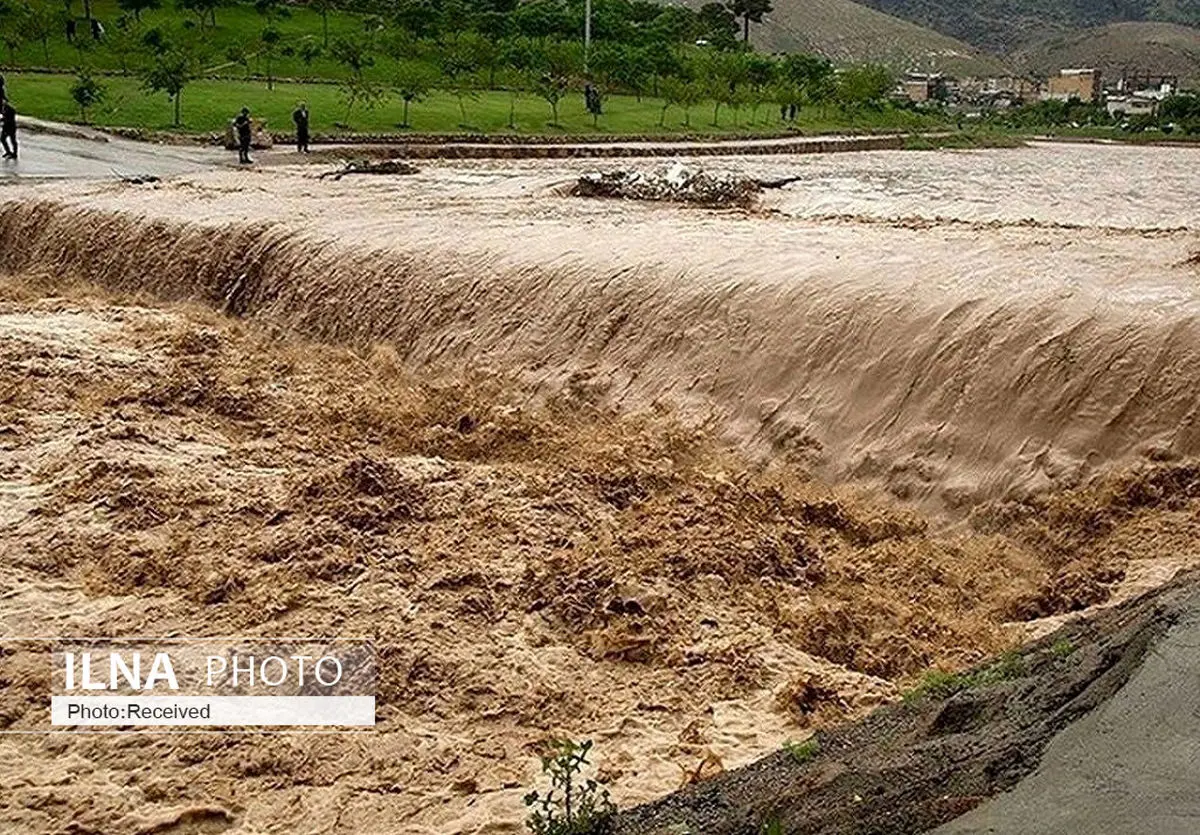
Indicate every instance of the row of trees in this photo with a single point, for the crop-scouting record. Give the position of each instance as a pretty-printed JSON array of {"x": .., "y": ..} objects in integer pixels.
[
  {"x": 637, "y": 23},
  {"x": 1179, "y": 112},
  {"x": 737, "y": 80},
  {"x": 408, "y": 48}
]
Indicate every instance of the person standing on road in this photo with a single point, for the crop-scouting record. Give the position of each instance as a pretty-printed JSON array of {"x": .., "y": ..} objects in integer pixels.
[
  {"x": 245, "y": 131},
  {"x": 300, "y": 117},
  {"x": 8, "y": 129}
]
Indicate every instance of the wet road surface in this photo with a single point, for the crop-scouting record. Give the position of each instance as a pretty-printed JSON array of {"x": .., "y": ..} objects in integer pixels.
[{"x": 93, "y": 156}]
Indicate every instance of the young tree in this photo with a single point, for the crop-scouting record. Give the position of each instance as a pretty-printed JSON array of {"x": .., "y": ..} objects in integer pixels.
[
  {"x": 86, "y": 91},
  {"x": 204, "y": 10},
  {"x": 124, "y": 41},
  {"x": 269, "y": 43},
  {"x": 323, "y": 8},
  {"x": 813, "y": 77},
  {"x": 552, "y": 88},
  {"x": 485, "y": 53},
  {"x": 750, "y": 10},
  {"x": 358, "y": 92},
  {"x": 517, "y": 82},
  {"x": 170, "y": 71},
  {"x": 136, "y": 7},
  {"x": 867, "y": 84},
  {"x": 419, "y": 17},
  {"x": 458, "y": 68},
  {"x": 272, "y": 10},
  {"x": 717, "y": 25},
  {"x": 671, "y": 90},
  {"x": 12, "y": 30},
  {"x": 684, "y": 93},
  {"x": 555, "y": 65},
  {"x": 353, "y": 54},
  {"x": 761, "y": 72},
  {"x": 38, "y": 23},
  {"x": 412, "y": 83},
  {"x": 237, "y": 55},
  {"x": 723, "y": 73},
  {"x": 309, "y": 51}
]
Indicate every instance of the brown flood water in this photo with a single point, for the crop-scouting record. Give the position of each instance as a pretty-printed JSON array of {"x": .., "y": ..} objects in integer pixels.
[{"x": 1007, "y": 340}]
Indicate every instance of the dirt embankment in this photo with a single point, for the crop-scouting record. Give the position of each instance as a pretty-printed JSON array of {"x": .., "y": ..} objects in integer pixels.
[
  {"x": 529, "y": 568},
  {"x": 961, "y": 740}
]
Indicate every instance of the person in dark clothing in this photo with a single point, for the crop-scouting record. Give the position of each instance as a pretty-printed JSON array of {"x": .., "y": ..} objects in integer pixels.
[
  {"x": 72, "y": 28},
  {"x": 97, "y": 30},
  {"x": 244, "y": 132},
  {"x": 591, "y": 100},
  {"x": 8, "y": 130},
  {"x": 792, "y": 112},
  {"x": 300, "y": 117},
  {"x": 3, "y": 90}
]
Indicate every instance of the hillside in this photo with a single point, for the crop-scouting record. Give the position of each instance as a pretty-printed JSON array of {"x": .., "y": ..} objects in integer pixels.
[
  {"x": 1158, "y": 48},
  {"x": 845, "y": 31},
  {"x": 1007, "y": 25}
]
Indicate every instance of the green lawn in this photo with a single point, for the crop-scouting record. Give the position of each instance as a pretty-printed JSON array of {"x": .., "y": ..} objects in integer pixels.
[{"x": 208, "y": 105}]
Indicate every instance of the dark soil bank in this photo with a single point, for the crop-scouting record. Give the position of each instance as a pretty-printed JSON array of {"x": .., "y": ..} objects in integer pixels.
[{"x": 955, "y": 743}]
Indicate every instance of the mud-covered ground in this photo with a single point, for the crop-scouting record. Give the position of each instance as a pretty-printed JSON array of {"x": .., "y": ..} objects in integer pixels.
[{"x": 529, "y": 568}]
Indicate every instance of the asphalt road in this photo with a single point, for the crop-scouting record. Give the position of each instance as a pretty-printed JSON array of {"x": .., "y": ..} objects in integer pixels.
[
  {"x": 87, "y": 155},
  {"x": 1131, "y": 767}
]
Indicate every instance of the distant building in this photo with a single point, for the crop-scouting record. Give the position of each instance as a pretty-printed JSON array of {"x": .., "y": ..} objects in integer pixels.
[
  {"x": 999, "y": 92},
  {"x": 1137, "y": 94},
  {"x": 1157, "y": 86},
  {"x": 922, "y": 87},
  {"x": 1081, "y": 84},
  {"x": 1134, "y": 104}
]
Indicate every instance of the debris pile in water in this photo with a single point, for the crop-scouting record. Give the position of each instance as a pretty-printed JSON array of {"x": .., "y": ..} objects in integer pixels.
[
  {"x": 387, "y": 166},
  {"x": 677, "y": 184}
]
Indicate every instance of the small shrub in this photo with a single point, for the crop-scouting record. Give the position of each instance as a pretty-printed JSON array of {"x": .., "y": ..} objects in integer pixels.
[
  {"x": 1062, "y": 648},
  {"x": 938, "y": 684},
  {"x": 570, "y": 807},
  {"x": 802, "y": 752}
]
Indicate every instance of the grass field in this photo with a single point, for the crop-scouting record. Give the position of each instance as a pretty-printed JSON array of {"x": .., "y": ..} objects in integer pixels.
[{"x": 208, "y": 105}]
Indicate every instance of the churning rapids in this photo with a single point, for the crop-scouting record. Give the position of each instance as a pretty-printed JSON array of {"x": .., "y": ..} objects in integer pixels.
[{"x": 958, "y": 326}]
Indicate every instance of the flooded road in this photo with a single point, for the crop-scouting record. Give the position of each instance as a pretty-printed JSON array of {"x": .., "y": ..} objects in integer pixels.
[{"x": 86, "y": 154}]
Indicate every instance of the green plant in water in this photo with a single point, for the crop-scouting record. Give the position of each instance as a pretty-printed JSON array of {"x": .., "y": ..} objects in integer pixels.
[{"x": 572, "y": 806}]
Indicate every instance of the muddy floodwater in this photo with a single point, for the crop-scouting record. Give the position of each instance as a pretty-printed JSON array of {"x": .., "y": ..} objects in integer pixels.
[{"x": 686, "y": 482}]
